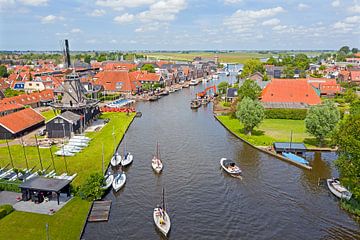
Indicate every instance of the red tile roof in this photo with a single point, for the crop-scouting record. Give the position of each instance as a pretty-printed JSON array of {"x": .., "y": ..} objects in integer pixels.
[
  {"x": 10, "y": 106},
  {"x": 117, "y": 80},
  {"x": 355, "y": 75},
  {"x": 118, "y": 65},
  {"x": 27, "y": 99},
  {"x": 147, "y": 77},
  {"x": 290, "y": 91},
  {"x": 21, "y": 120}
]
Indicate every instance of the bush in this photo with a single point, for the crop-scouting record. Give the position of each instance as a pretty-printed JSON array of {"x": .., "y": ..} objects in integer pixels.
[
  {"x": 10, "y": 186},
  {"x": 92, "y": 189},
  {"x": 226, "y": 104},
  {"x": 5, "y": 210},
  {"x": 282, "y": 113}
]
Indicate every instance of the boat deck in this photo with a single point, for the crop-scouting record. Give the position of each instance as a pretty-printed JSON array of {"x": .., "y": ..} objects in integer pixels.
[{"x": 100, "y": 211}]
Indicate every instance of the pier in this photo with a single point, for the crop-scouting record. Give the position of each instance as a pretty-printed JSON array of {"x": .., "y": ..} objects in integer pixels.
[{"x": 100, "y": 211}]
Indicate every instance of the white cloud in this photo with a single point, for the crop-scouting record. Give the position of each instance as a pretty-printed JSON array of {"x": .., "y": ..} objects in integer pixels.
[
  {"x": 245, "y": 20},
  {"x": 5, "y": 4},
  {"x": 232, "y": 1},
  {"x": 355, "y": 8},
  {"x": 164, "y": 10},
  {"x": 97, "y": 13},
  {"x": 113, "y": 41},
  {"x": 303, "y": 6},
  {"x": 271, "y": 22},
  {"x": 51, "y": 19},
  {"x": 125, "y": 18},
  {"x": 279, "y": 28},
  {"x": 121, "y": 4},
  {"x": 348, "y": 24},
  {"x": 76, "y": 30},
  {"x": 34, "y": 2},
  {"x": 335, "y": 3}
]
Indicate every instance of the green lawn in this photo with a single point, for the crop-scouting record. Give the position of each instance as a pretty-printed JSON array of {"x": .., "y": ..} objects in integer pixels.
[
  {"x": 84, "y": 163},
  {"x": 65, "y": 224},
  {"x": 48, "y": 114},
  {"x": 271, "y": 130}
]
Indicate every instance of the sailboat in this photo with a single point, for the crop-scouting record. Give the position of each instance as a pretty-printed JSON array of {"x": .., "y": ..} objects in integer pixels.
[
  {"x": 127, "y": 159},
  {"x": 161, "y": 217},
  {"x": 119, "y": 181},
  {"x": 156, "y": 162},
  {"x": 115, "y": 160}
]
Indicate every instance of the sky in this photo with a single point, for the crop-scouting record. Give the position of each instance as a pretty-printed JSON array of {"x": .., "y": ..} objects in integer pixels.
[{"x": 179, "y": 24}]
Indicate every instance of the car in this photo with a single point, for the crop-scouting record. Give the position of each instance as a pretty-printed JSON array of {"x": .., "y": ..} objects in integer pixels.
[{"x": 42, "y": 132}]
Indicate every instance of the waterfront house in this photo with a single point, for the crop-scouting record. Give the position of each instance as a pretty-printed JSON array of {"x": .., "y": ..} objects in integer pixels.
[
  {"x": 117, "y": 81},
  {"x": 64, "y": 125},
  {"x": 19, "y": 123},
  {"x": 291, "y": 91}
]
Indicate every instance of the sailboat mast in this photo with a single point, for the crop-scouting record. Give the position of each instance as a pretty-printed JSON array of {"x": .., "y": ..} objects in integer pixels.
[
  {"x": 163, "y": 198},
  {"x": 38, "y": 150},
  {"x": 26, "y": 160},
  {"x": 103, "y": 158},
  {"x": 8, "y": 147}
]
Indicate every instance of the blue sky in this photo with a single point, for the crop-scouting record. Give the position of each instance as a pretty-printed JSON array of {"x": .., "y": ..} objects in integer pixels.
[{"x": 179, "y": 24}]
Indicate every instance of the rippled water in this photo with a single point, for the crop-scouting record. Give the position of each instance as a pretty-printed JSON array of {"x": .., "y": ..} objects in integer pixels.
[{"x": 274, "y": 200}]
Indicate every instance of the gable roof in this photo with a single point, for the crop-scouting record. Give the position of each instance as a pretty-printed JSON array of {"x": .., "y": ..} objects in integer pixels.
[
  {"x": 26, "y": 99},
  {"x": 117, "y": 80},
  {"x": 290, "y": 91},
  {"x": 21, "y": 120},
  {"x": 70, "y": 116}
]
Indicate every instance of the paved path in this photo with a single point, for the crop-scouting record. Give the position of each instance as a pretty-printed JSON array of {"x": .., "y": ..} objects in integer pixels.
[{"x": 8, "y": 197}]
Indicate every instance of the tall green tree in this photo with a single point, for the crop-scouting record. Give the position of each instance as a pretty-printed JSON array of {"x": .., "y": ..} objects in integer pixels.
[
  {"x": 252, "y": 66},
  {"x": 3, "y": 71},
  {"x": 321, "y": 120},
  {"x": 354, "y": 50},
  {"x": 350, "y": 95},
  {"x": 249, "y": 89},
  {"x": 222, "y": 87},
  {"x": 148, "y": 67},
  {"x": 347, "y": 138},
  {"x": 250, "y": 113},
  {"x": 345, "y": 49},
  {"x": 87, "y": 58},
  {"x": 92, "y": 189},
  {"x": 301, "y": 62}
]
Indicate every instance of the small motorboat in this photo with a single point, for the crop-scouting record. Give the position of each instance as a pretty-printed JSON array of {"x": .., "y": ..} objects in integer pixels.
[
  {"x": 193, "y": 82},
  {"x": 156, "y": 162},
  {"x": 230, "y": 167},
  {"x": 162, "y": 219},
  {"x": 337, "y": 189},
  {"x": 171, "y": 90},
  {"x": 195, "y": 104},
  {"x": 115, "y": 160},
  {"x": 119, "y": 181},
  {"x": 127, "y": 159},
  {"x": 153, "y": 98},
  {"x": 109, "y": 179}
]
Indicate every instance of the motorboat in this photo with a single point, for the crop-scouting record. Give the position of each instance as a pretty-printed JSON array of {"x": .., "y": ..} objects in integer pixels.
[
  {"x": 337, "y": 189},
  {"x": 195, "y": 104},
  {"x": 119, "y": 181},
  {"x": 109, "y": 178},
  {"x": 193, "y": 82},
  {"x": 115, "y": 160},
  {"x": 162, "y": 219},
  {"x": 230, "y": 166}
]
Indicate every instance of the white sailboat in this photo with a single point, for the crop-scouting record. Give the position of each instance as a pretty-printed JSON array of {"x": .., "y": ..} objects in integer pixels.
[
  {"x": 127, "y": 159},
  {"x": 156, "y": 162},
  {"x": 119, "y": 181},
  {"x": 115, "y": 160},
  {"x": 161, "y": 218}
]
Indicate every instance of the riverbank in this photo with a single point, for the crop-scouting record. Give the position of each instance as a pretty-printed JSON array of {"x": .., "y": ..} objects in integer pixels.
[{"x": 69, "y": 221}]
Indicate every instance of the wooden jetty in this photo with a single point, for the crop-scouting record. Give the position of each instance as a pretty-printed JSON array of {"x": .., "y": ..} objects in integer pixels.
[{"x": 100, "y": 211}]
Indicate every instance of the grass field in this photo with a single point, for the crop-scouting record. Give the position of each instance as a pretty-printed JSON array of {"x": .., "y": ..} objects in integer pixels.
[
  {"x": 84, "y": 163},
  {"x": 271, "y": 130},
  {"x": 48, "y": 114},
  {"x": 65, "y": 224},
  {"x": 236, "y": 57}
]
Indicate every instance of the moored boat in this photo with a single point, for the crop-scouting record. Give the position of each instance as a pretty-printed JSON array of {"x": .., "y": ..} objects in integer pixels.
[
  {"x": 296, "y": 158},
  {"x": 109, "y": 178},
  {"x": 195, "y": 104},
  {"x": 193, "y": 82},
  {"x": 115, "y": 160},
  {"x": 230, "y": 166},
  {"x": 337, "y": 189},
  {"x": 119, "y": 181},
  {"x": 127, "y": 159}
]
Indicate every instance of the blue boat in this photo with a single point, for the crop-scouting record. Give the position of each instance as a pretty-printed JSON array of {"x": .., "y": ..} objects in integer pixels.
[{"x": 295, "y": 158}]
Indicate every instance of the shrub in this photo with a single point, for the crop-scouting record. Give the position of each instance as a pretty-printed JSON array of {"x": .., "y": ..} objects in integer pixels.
[
  {"x": 92, "y": 189},
  {"x": 5, "y": 210},
  {"x": 10, "y": 186},
  {"x": 282, "y": 113},
  {"x": 226, "y": 104}
]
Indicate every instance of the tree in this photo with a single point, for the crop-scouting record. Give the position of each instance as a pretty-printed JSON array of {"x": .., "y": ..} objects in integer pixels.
[
  {"x": 350, "y": 95},
  {"x": 301, "y": 61},
  {"x": 345, "y": 49},
  {"x": 250, "y": 113},
  {"x": 87, "y": 59},
  {"x": 252, "y": 66},
  {"x": 92, "y": 189},
  {"x": 322, "y": 68},
  {"x": 355, "y": 50},
  {"x": 347, "y": 138},
  {"x": 341, "y": 57},
  {"x": 289, "y": 72},
  {"x": 249, "y": 89},
  {"x": 3, "y": 71},
  {"x": 321, "y": 120},
  {"x": 355, "y": 108},
  {"x": 222, "y": 87},
  {"x": 272, "y": 61},
  {"x": 148, "y": 67},
  {"x": 101, "y": 58}
]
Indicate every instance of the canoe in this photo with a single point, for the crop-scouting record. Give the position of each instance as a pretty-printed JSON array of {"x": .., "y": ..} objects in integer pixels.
[
  {"x": 127, "y": 159},
  {"x": 115, "y": 160},
  {"x": 119, "y": 181},
  {"x": 109, "y": 179},
  {"x": 295, "y": 158},
  {"x": 157, "y": 165},
  {"x": 162, "y": 220},
  {"x": 337, "y": 189},
  {"x": 230, "y": 166}
]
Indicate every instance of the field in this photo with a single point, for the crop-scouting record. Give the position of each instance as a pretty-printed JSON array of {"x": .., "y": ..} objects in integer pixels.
[
  {"x": 84, "y": 163},
  {"x": 48, "y": 114},
  {"x": 271, "y": 130},
  {"x": 233, "y": 57},
  {"x": 65, "y": 224}
]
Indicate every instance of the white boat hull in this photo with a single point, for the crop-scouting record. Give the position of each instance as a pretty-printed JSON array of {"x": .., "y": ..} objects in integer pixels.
[
  {"x": 127, "y": 161},
  {"x": 108, "y": 181},
  {"x": 345, "y": 194},
  {"x": 119, "y": 182},
  {"x": 115, "y": 160},
  {"x": 157, "y": 166},
  {"x": 164, "y": 226},
  {"x": 231, "y": 172}
]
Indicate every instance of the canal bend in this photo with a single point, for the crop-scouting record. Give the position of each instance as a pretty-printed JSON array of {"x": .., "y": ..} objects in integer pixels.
[{"x": 274, "y": 200}]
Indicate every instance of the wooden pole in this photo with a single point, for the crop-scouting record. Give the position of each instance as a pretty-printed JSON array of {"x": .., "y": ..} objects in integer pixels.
[
  {"x": 8, "y": 147},
  {"x": 26, "y": 160},
  {"x": 38, "y": 150},
  {"x": 290, "y": 139},
  {"x": 52, "y": 159}
]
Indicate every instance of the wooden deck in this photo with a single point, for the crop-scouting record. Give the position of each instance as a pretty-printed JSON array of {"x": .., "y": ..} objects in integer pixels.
[{"x": 100, "y": 211}]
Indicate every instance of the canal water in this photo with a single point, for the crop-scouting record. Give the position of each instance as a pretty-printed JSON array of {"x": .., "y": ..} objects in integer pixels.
[{"x": 274, "y": 200}]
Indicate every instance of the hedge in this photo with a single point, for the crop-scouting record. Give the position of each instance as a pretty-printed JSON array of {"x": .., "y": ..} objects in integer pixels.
[
  {"x": 282, "y": 113},
  {"x": 5, "y": 210},
  {"x": 10, "y": 186}
]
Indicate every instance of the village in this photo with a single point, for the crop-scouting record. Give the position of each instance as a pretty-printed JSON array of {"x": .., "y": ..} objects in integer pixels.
[{"x": 61, "y": 123}]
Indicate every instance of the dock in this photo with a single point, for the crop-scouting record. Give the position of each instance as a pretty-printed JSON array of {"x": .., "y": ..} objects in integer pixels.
[{"x": 100, "y": 211}]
